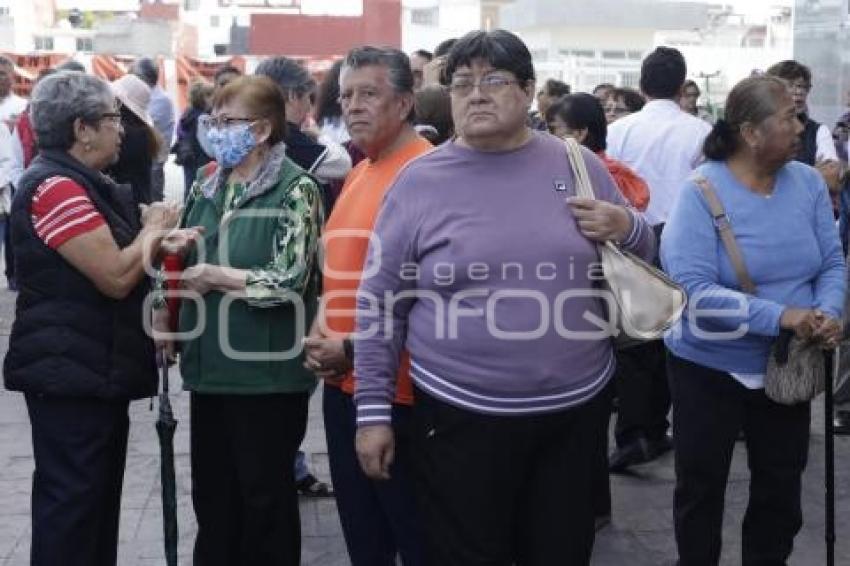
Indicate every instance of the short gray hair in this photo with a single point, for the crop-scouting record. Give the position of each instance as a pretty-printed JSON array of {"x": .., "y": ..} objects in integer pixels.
[
  {"x": 395, "y": 61},
  {"x": 61, "y": 98}
]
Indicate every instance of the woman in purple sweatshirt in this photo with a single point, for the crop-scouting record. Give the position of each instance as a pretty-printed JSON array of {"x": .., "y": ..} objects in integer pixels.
[{"x": 482, "y": 267}]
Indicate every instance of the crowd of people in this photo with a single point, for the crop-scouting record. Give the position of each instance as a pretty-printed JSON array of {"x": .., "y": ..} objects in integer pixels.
[{"x": 408, "y": 232}]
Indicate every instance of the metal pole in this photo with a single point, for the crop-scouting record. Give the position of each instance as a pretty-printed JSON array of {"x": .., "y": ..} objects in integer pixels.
[{"x": 829, "y": 456}]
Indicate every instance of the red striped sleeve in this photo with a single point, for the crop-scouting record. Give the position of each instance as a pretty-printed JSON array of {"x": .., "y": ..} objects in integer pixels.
[{"x": 62, "y": 210}]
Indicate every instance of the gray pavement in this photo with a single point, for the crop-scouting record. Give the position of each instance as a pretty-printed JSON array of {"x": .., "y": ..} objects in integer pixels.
[{"x": 641, "y": 533}]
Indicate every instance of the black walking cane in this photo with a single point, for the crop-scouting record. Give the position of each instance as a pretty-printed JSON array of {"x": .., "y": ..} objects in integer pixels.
[
  {"x": 829, "y": 455},
  {"x": 165, "y": 426}
]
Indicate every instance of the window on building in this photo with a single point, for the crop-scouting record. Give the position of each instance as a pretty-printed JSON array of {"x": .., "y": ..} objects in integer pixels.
[
  {"x": 586, "y": 53},
  {"x": 426, "y": 16},
  {"x": 85, "y": 44},
  {"x": 43, "y": 43},
  {"x": 630, "y": 79},
  {"x": 598, "y": 78},
  {"x": 613, "y": 54},
  {"x": 540, "y": 54},
  {"x": 635, "y": 55},
  {"x": 191, "y": 4},
  {"x": 214, "y": 21},
  {"x": 5, "y": 10}
]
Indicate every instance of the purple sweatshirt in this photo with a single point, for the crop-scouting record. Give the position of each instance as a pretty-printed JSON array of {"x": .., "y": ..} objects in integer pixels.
[{"x": 477, "y": 267}]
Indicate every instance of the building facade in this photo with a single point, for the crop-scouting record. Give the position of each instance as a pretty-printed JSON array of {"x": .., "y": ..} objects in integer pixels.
[
  {"x": 607, "y": 44},
  {"x": 822, "y": 41}
]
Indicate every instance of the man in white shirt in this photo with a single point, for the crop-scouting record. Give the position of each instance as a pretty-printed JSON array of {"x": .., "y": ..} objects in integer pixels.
[
  {"x": 662, "y": 144},
  {"x": 10, "y": 103}
]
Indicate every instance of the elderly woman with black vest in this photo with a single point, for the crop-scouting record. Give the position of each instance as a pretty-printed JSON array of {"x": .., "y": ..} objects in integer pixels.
[{"x": 78, "y": 350}]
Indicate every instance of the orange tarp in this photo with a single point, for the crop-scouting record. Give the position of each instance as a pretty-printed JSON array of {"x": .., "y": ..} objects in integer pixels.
[
  {"x": 107, "y": 67},
  {"x": 190, "y": 69},
  {"x": 29, "y": 66},
  {"x": 111, "y": 67}
]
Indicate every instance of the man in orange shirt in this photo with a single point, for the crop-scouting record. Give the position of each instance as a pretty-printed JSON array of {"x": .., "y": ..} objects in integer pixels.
[{"x": 378, "y": 517}]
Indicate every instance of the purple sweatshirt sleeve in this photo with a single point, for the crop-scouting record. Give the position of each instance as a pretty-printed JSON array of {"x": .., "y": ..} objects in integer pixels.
[
  {"x": 381, "y": 320},
  {"x": 641, "y": 238}
]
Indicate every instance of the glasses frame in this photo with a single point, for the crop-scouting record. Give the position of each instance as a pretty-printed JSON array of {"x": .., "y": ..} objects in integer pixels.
[
  {"x": 488, "y": 85},
  {"x": 226, "y": 121}
]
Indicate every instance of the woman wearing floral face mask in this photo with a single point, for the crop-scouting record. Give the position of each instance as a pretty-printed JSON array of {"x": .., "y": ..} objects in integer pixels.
[{"x": 254, "y": 288}]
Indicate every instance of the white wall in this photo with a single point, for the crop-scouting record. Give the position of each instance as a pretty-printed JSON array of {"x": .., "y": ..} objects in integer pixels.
[
  {"x": 18, "y": 37},
  {"x": 456, "y": 18},
  {"x": 582, "y": 73}
]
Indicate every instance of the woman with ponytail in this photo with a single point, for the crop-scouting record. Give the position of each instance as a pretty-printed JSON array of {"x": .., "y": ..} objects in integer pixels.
[{"x": 780, "y": 214}]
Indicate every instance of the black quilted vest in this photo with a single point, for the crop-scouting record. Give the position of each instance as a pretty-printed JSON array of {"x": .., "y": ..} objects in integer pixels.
[
  {"x": 69, "y": 339},
  {"x": 809, "y": 141}
]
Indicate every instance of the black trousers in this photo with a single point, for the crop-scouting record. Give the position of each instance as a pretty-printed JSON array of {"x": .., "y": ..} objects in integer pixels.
[
  {"x": 8, "y": 251},
  {"x": 709, "y": 410},
  {"x": 601, "y": 477},
  {"x": 502, "y": 491},
  {"x": 243, "y": 485},
  {"x": 644, "y": 396},
  {"x": 643, "y": 392},
  {"x": 80, "y": 447},
  {"x": 379, "y": 518}
]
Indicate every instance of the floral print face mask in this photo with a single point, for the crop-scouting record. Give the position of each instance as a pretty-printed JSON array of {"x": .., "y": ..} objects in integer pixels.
[{"x": 231, "y": 144}]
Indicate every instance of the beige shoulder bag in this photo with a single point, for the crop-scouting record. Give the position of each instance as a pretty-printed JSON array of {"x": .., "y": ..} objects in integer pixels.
[
  {"x": 796, "y": 369},
  {"x": 647, "y": 302}
]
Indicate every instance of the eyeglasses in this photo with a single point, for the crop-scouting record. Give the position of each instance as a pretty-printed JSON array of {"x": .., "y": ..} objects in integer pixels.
[
  {"x": 616, "y": 110},
  {"x": 800, "y": 87},
  {"x": 209, "y": 122},
  {"x": 490, "y": 84}
]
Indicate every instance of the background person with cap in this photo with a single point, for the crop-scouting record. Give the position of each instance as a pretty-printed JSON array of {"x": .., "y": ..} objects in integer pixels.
[
  {"x": 162, "y": 114},
  {"x": 140, "y": 143}
]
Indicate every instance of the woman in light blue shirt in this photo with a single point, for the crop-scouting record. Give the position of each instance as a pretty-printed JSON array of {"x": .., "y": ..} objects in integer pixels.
[{"x": 781, "y": 216}]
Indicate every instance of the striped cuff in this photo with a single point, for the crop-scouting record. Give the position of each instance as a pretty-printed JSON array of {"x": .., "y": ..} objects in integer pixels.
[
  {"x": 373, "y": 411},
  {"x": 634, "y": 235}
]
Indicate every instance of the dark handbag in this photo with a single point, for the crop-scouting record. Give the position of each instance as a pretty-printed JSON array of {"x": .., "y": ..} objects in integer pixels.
[{"x": 796, "y": 369}]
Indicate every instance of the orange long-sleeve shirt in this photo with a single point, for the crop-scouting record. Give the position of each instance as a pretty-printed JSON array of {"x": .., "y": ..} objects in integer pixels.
[{"x": 346, "y": 240}]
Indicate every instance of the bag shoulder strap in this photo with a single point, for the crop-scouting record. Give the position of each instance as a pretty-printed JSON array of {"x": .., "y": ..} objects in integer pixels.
[
  {"x": 727, "y": 236},
  {"x": 583, "y": 186}
]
